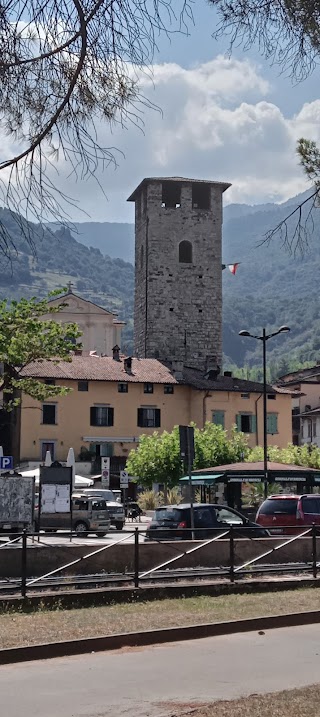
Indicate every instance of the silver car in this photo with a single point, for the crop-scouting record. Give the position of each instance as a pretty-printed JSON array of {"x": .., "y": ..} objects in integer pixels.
[{"x": 116, "y": 510}]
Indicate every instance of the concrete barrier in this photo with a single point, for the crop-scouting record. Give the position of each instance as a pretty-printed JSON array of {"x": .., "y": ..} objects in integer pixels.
[{"x": 120, "y": 558}]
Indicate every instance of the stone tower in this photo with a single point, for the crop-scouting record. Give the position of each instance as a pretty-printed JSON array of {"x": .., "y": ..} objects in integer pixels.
[{"x": 178, "y": 283}]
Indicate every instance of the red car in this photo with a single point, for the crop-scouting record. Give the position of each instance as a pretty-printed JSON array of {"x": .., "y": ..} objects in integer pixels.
[{"x": 288, "y": 514}]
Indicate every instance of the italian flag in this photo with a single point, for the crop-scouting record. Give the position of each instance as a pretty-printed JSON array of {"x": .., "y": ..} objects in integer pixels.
[{"x": 231, "y": 267}]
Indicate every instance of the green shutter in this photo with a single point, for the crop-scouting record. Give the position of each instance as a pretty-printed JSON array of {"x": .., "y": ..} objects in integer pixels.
[
  {"x": 238, "y": 421},
  {"x": 253, "y": 424},
  {"x": 93, "y": 417},
  {"x": 218, "y": 418},
  {"x": 272, "y": 423}
]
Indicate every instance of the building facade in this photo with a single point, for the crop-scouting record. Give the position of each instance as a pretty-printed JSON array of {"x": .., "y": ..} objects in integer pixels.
[
  {"x": 101, "y": 329},
  {"x": 178, "y": 284},
  {"x": 305, "y": 387},
  {"x": 115, "y": 400}
]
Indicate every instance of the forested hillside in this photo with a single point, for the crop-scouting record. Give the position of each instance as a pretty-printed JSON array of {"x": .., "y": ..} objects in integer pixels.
[{"x": 270, "y": 287}]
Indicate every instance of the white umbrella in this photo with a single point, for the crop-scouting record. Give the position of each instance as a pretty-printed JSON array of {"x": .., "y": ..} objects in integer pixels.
[
  {"x": 48, "y": 459},
  {"x": 80, "y": 481}
]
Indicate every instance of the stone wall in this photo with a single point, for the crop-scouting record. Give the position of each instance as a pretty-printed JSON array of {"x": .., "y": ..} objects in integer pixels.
[{"x": 178, "y": 305}]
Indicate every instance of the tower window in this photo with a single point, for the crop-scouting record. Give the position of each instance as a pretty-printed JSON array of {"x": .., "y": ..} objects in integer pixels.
[
  {"x": 171, "y": 195},
  {"x": 201, "y": 196},
  {"x": 185, "y": 252}
]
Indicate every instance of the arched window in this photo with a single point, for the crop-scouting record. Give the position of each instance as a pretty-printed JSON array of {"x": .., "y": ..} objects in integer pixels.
[{"x": 185, "y": 252}]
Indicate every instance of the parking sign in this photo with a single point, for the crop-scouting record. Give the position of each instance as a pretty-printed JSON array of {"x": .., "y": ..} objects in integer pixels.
[{"x": 6, "y": 463}]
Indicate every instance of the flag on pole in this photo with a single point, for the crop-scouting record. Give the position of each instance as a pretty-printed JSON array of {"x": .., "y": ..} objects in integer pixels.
[{"x": 231, "y": 267}]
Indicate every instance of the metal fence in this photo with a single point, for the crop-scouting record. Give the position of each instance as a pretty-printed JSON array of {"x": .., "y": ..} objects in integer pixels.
[{"x": 234, "y": 566}]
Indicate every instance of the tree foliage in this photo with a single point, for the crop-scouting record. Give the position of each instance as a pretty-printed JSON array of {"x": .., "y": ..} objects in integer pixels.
[
  {"x": 157, "y": 458},
  {"x": 68, "y": 66},
  {"x": 291, "y": 455},
  {"x": 286, "y": 31},
  {"x": 24, "y": 338}
]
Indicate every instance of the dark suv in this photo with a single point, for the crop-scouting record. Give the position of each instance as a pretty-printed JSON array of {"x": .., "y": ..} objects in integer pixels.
[
  {"x": 173, "y": 522},
  {"x": 287, "y": 514}
]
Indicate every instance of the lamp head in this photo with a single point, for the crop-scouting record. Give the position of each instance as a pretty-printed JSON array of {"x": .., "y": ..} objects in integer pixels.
[
  {"x": 244, "y": 333},
  {"x": 283, "y": 329}
]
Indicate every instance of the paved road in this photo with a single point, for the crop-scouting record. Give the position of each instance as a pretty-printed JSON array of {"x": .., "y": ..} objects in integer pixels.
[
  {"x": 146, "y": 682},
  {"x": 92, "y": 539}
]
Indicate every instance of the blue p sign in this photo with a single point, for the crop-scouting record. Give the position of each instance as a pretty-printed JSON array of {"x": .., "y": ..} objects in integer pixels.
[{"x": 6, "y": 463}]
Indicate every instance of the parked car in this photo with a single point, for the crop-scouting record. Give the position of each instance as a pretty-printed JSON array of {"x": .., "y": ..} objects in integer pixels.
[
  {"x": 173, "y": 522},
  {"x": 287, "y": 514},
  {"x": 116, "y": 510},
  {"x": 89, "y": 515}
]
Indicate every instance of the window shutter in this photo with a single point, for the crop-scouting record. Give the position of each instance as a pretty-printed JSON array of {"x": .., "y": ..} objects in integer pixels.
[
  {"x": 140, "y": 417},
  {"x": 110, "y": 416},
  {"x": 253, "y": 424},
  {"x": 272, "y": 423},
  {"x": 218, "y": 418},
  {"x": 157, "y": 417},
  {"x": 238, "y": 421},
  {"x": 93, "y": 416}
]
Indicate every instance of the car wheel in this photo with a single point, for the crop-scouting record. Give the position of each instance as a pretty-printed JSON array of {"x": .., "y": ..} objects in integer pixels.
[
  {"x": 101, "y": 535},
  {"x": 81, "y": 529},
  {"x": 119, "y": 526}
]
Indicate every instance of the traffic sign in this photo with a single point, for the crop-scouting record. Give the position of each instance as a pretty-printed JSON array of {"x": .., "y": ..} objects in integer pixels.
[
  {"x": 6, "y": 463},
  {"x": 105, "y": 471},
  {"x": 124, "y": 479}
]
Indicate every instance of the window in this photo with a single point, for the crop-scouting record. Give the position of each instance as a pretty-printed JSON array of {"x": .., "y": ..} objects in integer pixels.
[
  {"x": 149, "y": 417},
  {"x": 224, "y": 515},
  {"x": 122, "y": 388},
  {"x": 80, "y": 504},
  {"x": 50, "y": 381},
  {"x": 314, "y": 427},
  {"x": 311, "y": 505},
  {"x": 49, "y": 413},
  {"x": 83, "y": 386},
  {"x": 201, "y": 196},
  {"x": 101, "y": 416},
  {"x": 218, "y": 418},
  {"x": 168, "y": 388},
  {"x": 185, "y": 252},
  {"x": 272, "y": 396},
  {"x": 171, "y": 195},
  {"x": 272, "y": 423},
  {"x": 148, "y": 388},
  {"x": 245, "y": 395},
  {"x": 246, "y": 423},
  {"x": 309, "y": 428}
]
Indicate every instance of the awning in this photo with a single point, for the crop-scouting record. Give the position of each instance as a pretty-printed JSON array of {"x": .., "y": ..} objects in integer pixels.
[{"x": 202, "y": 480}]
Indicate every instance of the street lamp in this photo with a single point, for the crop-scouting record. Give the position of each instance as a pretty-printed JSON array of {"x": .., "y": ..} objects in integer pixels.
[{"x": 264, "y": 338}]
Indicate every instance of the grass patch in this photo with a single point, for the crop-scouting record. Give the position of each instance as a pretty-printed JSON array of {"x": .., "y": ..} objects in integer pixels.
[
  {"x": 303, "y": 702},
  {"x": 54, "y": 625}
]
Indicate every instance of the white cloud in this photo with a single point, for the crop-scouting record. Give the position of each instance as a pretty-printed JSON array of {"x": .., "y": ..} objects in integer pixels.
[{"x": 216, "y": 122}]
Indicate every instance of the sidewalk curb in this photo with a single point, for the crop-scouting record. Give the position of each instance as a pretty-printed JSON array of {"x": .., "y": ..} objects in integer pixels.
[{"x": 154, "y": 637}]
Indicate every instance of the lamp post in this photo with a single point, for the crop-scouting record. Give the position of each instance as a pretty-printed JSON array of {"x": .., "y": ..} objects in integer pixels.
[{"x": 264, "y": 338}]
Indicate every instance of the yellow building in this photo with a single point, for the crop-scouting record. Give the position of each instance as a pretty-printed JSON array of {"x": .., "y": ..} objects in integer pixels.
[
  {"x": 114, "y": 400},
  {"x": 101, "y": 329}
]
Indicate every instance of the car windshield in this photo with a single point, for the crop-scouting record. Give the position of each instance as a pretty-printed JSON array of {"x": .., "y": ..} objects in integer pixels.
[
  {"x": 170, "y": 514},
  {"x": 103, "y": 493},
  {"x": 282, "y": 506}
]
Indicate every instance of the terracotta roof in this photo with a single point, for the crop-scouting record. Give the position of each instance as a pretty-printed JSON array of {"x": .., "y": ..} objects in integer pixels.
[
  {"x": 223, "y": 383},
  {"x": 185, "y": 180},
  {"x": 300, "y": 375},
  {"x": 255, "y": 467},
  {"x": 102, "y": 368},
  {"x": 105, "y": 368}
]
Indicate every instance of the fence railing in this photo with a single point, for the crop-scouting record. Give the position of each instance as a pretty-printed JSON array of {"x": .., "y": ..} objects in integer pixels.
[{"x": 234, "y": 566}]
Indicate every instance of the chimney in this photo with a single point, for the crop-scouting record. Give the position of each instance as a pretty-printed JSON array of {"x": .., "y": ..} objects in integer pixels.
[
  {"x": 228, "y": 374},
  {"x": 128, "y": 364},
  {"x": 116, "y": 353}
]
